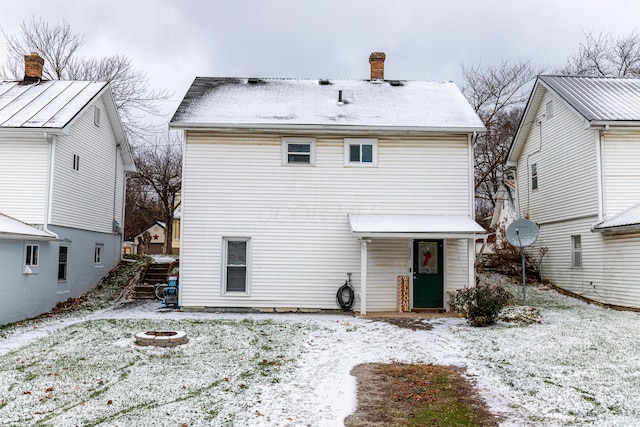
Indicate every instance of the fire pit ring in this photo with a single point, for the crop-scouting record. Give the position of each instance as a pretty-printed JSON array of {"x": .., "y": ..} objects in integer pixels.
[{"x": 161, "y": 338}]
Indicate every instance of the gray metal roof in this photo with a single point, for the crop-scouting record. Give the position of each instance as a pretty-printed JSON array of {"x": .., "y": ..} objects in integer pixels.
[
  {"x": 290, "y": 103},
  {"x": 605, "y": 99},
  {"x": 46, "y": 104}
]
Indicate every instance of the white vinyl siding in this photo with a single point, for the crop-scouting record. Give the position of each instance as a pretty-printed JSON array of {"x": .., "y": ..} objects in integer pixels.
[
  {"x": 84, "y": 198},
  {"x": 386, "y": 260},
  {"x": 621, "y": 171},
  {"x": 566, "y": 157},
  {"x": 301, "y": 243},
  {"x": 23, "y": 179}
]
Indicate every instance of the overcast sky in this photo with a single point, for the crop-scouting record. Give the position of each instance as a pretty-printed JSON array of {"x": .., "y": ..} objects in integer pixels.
[{"x": 174, "y": 41}]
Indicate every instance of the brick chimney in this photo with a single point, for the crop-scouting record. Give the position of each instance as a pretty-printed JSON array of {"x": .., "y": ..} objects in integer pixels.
[
  {"x": 33, "y": 67},
  {"x": 376, "y": 59}
]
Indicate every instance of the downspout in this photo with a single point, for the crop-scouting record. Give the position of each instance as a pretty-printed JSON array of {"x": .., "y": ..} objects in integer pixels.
[
  {"x": 50, "y": 173},
  {"x": 115, "y": 187},
  {"x": 601, "y": 172},
  {"x": 471, "y": 243}
]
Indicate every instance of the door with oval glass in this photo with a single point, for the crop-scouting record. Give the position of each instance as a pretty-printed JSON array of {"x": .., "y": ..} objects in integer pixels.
[{"x": 428, "y": 283}]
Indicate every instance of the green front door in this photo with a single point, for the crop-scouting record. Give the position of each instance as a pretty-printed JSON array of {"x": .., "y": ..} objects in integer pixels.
[{"x": 428, "y": 283}]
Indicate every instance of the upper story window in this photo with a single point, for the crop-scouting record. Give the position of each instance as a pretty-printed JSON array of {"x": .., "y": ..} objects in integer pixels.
[
  {"x": 576, "y": 251},
  {"x": 549, "y": 108},
  {"x": 298, "y": 151},
  {"x": 534, "y": 176},
  {"x": 96, "y": 116},
  {"x": 360, "y": 152},
  {"x": 76, "y": 162}
]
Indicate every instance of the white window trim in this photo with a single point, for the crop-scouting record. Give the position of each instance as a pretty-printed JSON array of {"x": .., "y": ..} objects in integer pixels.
[
  {"x": 575, "y": 251},
  {"x": 98, "y": 254},
  {"x": 66, "y": 264},
  {"x": 285, "y": 150},
  {"x": 223, "y": 269},
  {"x": 96, "y": 116},
  {"x": 536, "y": 176},
  {"x": 31, "y": 268},
  {"x": 361, "y": 141}
]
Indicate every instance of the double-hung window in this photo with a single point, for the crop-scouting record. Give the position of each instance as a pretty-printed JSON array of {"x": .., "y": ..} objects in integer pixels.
[
  {"x": 534, "y": 176},
  {"x": 360, "y": 152},
  {"x": 576, "y": 251},
  {"x": 62, "y": 262},
  {"x": 236, "y": 265},
  {"x": 301, "y": 151}
]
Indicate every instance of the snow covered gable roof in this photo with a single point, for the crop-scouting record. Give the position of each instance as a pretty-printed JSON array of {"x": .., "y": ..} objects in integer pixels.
[
  {"x": 600, "y": 101},
  {"x": 47, "y": 104},
  {"x": 293, "y": 103}
]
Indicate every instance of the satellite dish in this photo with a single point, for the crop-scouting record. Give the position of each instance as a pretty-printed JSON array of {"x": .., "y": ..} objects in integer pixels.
[{"x": 522, "y": 233}]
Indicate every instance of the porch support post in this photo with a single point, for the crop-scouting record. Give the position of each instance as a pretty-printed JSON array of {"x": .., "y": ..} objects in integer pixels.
[
  {"x": 471, "y": 248},
  {"x": 363, "y": 277}
]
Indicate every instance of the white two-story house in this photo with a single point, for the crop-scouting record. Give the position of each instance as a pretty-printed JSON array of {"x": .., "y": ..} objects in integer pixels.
[
  {"x": 577, "y": 155},
  {"x": 291, "y": 185},
  {"x": 63, "y": 160}
]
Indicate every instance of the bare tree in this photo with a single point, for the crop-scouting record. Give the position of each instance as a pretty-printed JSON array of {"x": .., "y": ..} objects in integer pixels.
[
  {"x": 604, "y": 55},
  {"x": 498, "y": 94},
  {"x": 159, "y": 179},
  {"x": 60, "y": 47}
]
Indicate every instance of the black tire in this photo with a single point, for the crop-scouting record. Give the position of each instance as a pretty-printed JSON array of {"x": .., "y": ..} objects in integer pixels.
[{"x": 159, "y": 290}]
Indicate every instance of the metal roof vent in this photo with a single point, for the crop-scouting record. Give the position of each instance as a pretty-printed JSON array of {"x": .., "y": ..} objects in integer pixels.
[
  {"x": 254, "y": 80},
  {"x": 395, "y": 83},
  {"x": 324, "y": 82}
]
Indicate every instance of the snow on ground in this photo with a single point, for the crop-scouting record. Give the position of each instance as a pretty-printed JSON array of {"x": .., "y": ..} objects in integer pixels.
[{"x": 579, "y": 367}]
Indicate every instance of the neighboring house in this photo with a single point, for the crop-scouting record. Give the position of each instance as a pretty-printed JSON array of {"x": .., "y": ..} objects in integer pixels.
[
  {"x": 63, "y": 159},
  {"x": 290, "y": 185},
  {"x": 504, "y": 213},
  {"x": 155, "y": 239},
  {"x": 576, "y": 153}
]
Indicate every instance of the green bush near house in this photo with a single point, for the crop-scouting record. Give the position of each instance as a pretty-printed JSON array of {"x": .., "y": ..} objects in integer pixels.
[{"x": 481, "y": 305}]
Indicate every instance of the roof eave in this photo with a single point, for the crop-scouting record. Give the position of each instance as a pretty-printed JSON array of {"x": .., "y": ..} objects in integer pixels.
[
  {"x": 417, "y": 235},
  {"x": 278, "y": 127},
  {"x": 617, "y": 229},
  {"x": 608, "y": 124}
]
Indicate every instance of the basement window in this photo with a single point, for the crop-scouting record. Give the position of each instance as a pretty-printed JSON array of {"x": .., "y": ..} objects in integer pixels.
[
  {"x": 97, "y": 254},
  {"x": 63, "y": 252},
  {"x": 31, "y": 258},
  {"x": 360, "y": 152},
  {"x": 301, "y": 151}
]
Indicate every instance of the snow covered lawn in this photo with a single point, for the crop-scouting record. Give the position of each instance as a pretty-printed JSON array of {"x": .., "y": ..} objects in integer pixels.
[{"x": 578, "y": 367}]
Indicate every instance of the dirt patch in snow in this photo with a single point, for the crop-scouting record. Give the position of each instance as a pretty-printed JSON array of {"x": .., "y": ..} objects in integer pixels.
[
  {"x": 396, "y": 394},
  {"x": 410, "y": 323}
]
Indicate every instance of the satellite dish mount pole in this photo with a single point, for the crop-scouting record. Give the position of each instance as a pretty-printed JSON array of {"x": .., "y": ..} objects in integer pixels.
[{"x": 524, "y": 277}]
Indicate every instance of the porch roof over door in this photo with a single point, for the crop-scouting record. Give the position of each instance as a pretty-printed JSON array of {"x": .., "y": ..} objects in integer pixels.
[{"x": 414, "y": 226}]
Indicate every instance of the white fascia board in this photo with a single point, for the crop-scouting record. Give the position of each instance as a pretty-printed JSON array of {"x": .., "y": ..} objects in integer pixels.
[
  {"x": 365, "y": 235},
  {"x": 615, "y": 125},
  {"x": 326, "y": 129}
]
